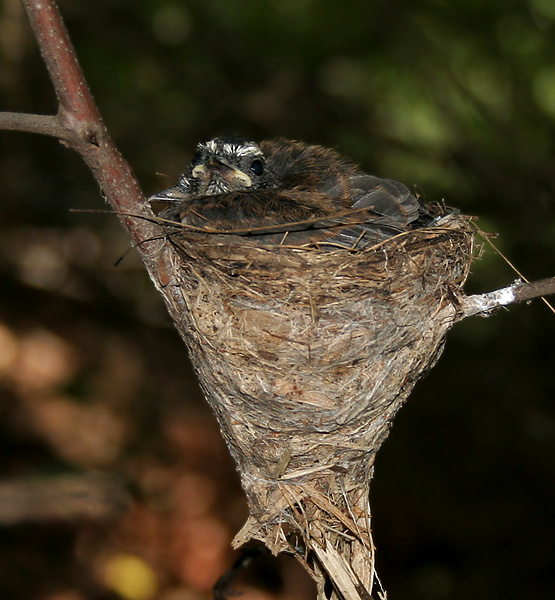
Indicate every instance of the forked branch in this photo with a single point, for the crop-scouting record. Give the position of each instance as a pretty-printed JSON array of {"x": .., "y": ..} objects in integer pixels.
[{"x": 78, "y": 124}]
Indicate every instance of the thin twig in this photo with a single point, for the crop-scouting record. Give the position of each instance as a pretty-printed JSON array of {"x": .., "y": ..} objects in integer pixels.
[
  {"x": 64, "y": 498},
  {"x": 487, "y": 239},
  {"x": 484, "y": 304},
  {"x": 223, "y": 587},
  {"x": 43, "y": 124}
]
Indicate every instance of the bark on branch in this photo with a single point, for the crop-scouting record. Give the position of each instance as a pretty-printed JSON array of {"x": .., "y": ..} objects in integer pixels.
[
  {"x": 78, "y": 124},
  {"x": 43, "y": 124},
  {"x": 484, "y": 304}
]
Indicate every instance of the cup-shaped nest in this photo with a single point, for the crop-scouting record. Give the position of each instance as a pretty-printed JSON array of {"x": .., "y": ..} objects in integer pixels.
[{"x": 305, "y": 356}]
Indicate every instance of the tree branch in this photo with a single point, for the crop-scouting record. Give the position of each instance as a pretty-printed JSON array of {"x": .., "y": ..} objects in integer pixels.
[
  {"x": 484, "y": 304},
  {"x": 79, "y": 125},
  {"x": 44, "y": 124},
  {"x": 74, "y": 96},
  {"x": 66, "y": 497}
]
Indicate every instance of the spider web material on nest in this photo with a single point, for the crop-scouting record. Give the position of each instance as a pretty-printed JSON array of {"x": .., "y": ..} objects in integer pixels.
[{"x": 305, "y": 357}]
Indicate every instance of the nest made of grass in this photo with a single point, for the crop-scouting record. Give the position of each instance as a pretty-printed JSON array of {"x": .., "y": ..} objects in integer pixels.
[
  {"x": 305, "y": 356},
  {"x": 297, "y": 341}
]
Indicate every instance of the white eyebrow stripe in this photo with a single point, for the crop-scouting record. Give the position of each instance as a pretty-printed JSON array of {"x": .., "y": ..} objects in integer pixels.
[
  {"x": 211, "y": 146},
  {"x": 242, "y": 150},
  {"x": 246, "y": 149}
]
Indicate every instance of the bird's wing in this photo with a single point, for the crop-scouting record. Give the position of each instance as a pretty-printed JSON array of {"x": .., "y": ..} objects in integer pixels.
[
  {"x": 244, "y": 213},
  {"x": 384, "y": 197},
  {"x": 375, "y": 210},
  {"x": 381, "y": 208}
]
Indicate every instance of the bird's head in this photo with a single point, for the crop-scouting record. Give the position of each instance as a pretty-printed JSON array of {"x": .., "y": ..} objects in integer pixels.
[{"x": 222, "y": 165}]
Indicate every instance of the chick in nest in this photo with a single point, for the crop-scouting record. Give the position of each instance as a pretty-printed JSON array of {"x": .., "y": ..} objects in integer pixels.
[{"x": 287, "y": 192}]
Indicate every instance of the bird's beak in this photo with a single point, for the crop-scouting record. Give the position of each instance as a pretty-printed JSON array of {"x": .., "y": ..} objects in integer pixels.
[
  {"x": 219, "y": 167},
  {"x": 170, "y": 196},
  {"x": 211, "y": 175}
]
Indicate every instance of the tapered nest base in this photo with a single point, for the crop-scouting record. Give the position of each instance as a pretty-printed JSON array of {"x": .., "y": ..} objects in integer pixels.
[{"x": 305, "y": 356}]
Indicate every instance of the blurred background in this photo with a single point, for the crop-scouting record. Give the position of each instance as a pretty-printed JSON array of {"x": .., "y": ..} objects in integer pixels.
[{"x": 114, "y": 482}]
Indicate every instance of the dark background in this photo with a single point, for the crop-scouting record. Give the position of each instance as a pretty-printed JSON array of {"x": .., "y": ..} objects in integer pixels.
[{"x": 457, "y": 100}]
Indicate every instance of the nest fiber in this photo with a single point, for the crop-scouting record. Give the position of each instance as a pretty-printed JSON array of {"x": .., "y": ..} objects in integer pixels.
[{"x": 305, "y": 356}]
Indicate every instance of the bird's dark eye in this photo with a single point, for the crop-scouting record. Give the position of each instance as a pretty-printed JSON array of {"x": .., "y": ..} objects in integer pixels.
[
  {"x": 257, "y": 166},
  {"x": 197, "y": 158}
]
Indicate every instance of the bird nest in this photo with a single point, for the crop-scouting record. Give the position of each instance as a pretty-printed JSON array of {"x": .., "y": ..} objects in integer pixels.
[{"x": 305, "y": 356}]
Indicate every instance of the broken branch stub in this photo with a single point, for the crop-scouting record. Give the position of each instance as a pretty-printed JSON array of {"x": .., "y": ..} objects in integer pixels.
[{"x": 305, "y": 356}]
